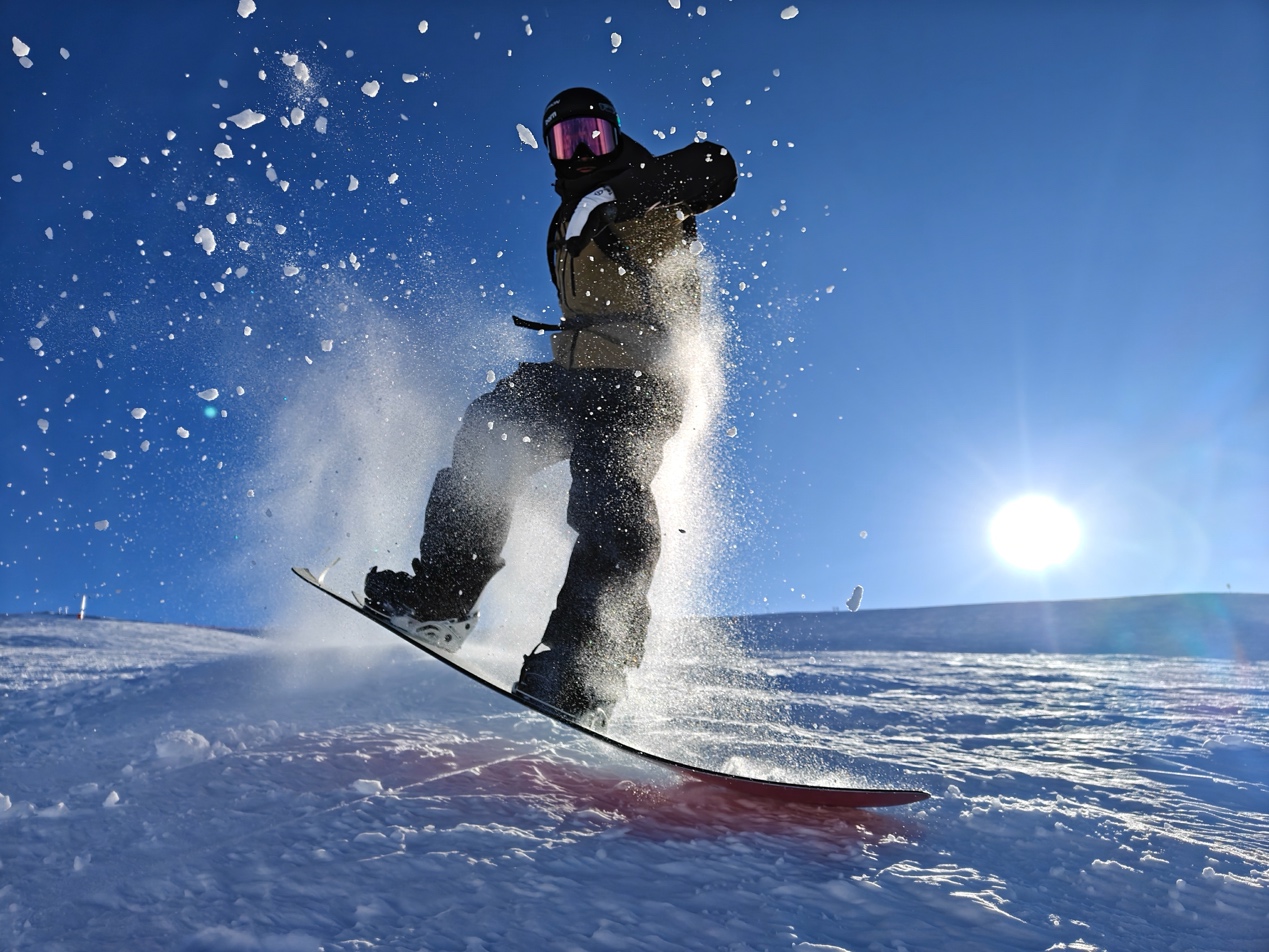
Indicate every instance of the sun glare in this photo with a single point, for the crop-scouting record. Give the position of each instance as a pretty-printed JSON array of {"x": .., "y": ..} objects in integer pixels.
[{"x": 1034, "y": 532}]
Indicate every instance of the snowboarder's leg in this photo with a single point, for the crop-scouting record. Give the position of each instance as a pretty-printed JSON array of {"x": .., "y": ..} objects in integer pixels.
[
  {"x": 600, "y": 622},
  {"x": 506, "y": 435}
]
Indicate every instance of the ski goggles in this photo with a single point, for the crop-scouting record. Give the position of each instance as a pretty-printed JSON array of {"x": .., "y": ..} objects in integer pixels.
[{"x": 566, "y": 138}]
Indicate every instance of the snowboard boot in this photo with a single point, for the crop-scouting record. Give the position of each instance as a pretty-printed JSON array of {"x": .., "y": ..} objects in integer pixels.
[
  {"x": 577, "y": 683},
  {"x": 399, "y": 596}
]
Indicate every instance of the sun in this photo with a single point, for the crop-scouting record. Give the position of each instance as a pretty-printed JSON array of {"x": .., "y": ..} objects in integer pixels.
[{"x": 1034, "y": 532}]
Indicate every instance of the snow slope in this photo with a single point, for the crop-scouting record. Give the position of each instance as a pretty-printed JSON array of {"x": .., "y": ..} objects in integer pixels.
[
  {"x": 176, "y": 788},
  {"x": 1204, "y": 625}
]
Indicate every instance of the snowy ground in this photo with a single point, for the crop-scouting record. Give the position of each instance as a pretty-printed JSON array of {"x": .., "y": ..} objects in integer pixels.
[{"x": 177, "y": 788}]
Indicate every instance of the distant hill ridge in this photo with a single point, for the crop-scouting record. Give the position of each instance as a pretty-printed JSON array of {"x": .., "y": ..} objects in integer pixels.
[{"x": 1205, "y": 625}]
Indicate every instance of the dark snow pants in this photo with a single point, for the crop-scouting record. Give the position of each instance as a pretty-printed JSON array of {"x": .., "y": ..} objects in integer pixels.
[{"x": 611, "y": 426}]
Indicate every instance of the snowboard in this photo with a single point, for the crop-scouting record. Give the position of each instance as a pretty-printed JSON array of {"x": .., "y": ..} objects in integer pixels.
[{"x": 787, "y": 792}]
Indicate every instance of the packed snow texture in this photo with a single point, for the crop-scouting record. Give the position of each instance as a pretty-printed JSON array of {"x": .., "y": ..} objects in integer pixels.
[{"x": 170, "y": 787}]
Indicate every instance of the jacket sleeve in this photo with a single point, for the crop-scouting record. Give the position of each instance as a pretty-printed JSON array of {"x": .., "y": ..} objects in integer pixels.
[{"x": 696, "y": 178}]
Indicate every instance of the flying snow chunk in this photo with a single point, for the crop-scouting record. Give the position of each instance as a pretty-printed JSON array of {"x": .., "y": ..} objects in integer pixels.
[
  {"x": 138, "y": 413},
  {"x": 788, "y": 13},
  {"x": 280, "y": 229},
  {"x": 222, "y": 151},
  {"x": 732, "y": 431},
  {"x": 301, "y": 73},
  {"x": 48, "y": 233},
  {"x": 87, "y": 214},
  {"x": 20, "y": 48},
  {"x": 422, "y": 27},
  {"x": 101, "y": 525},
  {"x": 615, "y": 39},
  {"x": 367, "y": 787},
  {"x": 409, "y": 78},
  {"x": 35, "y": 343},
  {"x": 352, "y": 183},
  {"x": 297, "y": 116},
  {"x": 42, "y": 424},
  {"x": 209, "y": 394},
  {"x": 526, "y": 135},
  {"x": 857, "y": 596},
  {"x": 205, "y": 238},
  {"x": 117, "y": 160},
  {"x": 182, "y": 432},
  {"x": 108, "y": 454},
  {"x": 247, "y": 118},
  {"x": 490, "y": 376},
  {"x": 246, "y": 8},
  {"x": 170, "y": 135},
  {"x": 863, "y": 533},
  {"x": 239, "y": 391},
  {"x": 371, "y": 88},
  {"x": 320, "y": 124},
  {"x": 327, "y": 345},
  {"x": 290, "y": 270},
  {"x": 65, "y": 53}
]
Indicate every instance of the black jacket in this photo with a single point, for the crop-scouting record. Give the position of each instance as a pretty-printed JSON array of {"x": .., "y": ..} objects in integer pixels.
[{"x": 630, "y": 277}]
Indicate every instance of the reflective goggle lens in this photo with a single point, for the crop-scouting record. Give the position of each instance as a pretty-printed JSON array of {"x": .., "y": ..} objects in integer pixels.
[{"x": 569, "y": 135}]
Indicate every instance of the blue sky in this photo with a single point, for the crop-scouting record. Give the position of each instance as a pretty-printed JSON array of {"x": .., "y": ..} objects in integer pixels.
[{"x": 1045, "y": 227}]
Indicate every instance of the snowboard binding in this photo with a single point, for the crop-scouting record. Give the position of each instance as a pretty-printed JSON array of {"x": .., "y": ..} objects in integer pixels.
[
  {"x": 400, "y": 598},
  {"x": 445, "y": 635}
]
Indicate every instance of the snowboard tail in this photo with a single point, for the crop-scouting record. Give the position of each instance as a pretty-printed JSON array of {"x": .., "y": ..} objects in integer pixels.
[{"x": 746, "y": 786}]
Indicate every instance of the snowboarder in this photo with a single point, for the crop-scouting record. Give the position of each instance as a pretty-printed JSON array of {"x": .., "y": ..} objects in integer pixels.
[{"x": 620, "y": 248}]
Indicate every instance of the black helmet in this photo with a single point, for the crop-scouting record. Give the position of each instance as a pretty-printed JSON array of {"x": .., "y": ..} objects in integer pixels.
[{"x": 581, "y": 130}]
